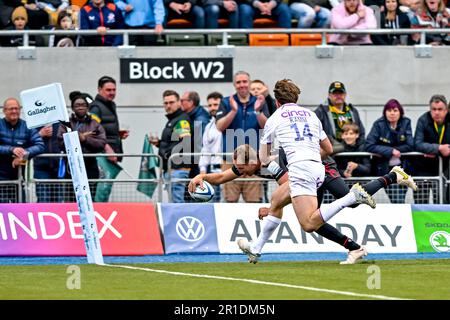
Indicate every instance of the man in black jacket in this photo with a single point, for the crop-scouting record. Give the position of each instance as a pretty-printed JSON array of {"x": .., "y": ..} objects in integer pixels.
[
  {"x": 335, "y": 113},
  {"x": 175, "y": 138},
  {"x": 104, "y": 111},
  {"x": 432, "y": 137}
]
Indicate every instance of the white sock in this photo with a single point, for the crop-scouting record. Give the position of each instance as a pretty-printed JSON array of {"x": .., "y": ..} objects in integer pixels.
[
  {"x": 271, "y": 223},
  {"x": 337, "y": 205}
]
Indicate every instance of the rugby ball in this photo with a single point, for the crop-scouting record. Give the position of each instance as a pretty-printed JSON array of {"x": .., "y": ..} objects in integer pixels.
[{"x": 204, "y": 194}]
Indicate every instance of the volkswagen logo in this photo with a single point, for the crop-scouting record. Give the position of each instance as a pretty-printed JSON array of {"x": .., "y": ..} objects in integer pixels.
[{"x": 190, "y": 228}]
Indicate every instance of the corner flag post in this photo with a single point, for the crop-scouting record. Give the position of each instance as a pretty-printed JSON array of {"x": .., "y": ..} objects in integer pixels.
[
  {"x": 83, "y": 196},
  {"x": 46, "y": 105}
]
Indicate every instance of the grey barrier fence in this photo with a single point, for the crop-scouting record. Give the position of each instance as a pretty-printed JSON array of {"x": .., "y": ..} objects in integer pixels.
[
  {"x": 395, "y": 194},
  {"x": 434, "y": 185},
  {"x": 106, "y": 189},
  {"x": 26, "y": 188},
  {"x": 224, "y": 32}
]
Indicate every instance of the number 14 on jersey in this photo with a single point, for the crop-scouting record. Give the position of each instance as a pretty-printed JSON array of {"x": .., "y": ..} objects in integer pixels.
[{"x": 305, "y": 133}]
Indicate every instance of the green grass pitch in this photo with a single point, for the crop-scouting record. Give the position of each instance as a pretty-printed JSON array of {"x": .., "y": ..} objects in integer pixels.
[{"x": 409, "y": 279}]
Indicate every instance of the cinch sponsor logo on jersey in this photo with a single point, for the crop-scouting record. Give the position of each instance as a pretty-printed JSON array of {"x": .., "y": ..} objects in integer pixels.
[
  {"x": 295, "y": 113},
  {"x": 440, "y": 241},
  {"x": 190, "y": 228},
  {"x": 50, "y": 226}
]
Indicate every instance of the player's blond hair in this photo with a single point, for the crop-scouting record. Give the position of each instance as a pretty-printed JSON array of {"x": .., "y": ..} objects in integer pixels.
[
  {"x": 286, "y": 91},
  {"x": 245, "y": 154}
]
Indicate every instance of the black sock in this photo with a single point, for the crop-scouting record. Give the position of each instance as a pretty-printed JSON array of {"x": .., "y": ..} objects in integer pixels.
[
  {"x": 331, "y": 233},
  {"x": 373, "y": 186}
]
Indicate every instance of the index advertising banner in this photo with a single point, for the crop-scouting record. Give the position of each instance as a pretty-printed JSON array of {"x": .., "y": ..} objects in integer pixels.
[
  {"x": 188, "y": 227},
  {"x": 54, "y": 229},
  {"x": 385, "y": 229},
  {"x": 432, "y": 227}
]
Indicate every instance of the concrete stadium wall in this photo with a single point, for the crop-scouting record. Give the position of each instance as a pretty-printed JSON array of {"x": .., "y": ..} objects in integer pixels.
[{"x": 372, "y": 75}]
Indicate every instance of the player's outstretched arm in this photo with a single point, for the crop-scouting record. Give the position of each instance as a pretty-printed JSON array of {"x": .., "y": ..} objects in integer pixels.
[
  {"x": 326, "y": 148},
  {"x": 213, "y": 178},
  {"x": 264, "y": 154}
]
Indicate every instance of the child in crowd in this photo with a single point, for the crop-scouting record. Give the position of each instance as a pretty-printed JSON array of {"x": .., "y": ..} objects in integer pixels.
[
  {"x": 352, "y": 166},
  {"x": 19, "y": 19},
  {"x": 64, "y": 22}
]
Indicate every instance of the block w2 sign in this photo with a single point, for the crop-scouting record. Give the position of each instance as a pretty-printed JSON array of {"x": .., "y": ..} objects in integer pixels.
[{"x": 176, "y": 70}]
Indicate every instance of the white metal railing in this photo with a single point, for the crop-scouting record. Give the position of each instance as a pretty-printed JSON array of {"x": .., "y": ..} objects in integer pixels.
[
  {"x": 224, "y": 32},
  {"x": 440, "y": 179},
  {"x": 28, "y": 182}
]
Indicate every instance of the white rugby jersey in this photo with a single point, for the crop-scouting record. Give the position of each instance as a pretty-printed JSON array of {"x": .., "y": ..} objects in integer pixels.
[{"x": 298, "y": 131}]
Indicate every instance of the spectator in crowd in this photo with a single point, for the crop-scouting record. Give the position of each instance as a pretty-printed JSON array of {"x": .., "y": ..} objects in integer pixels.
[
  {"x": 410, "y": 7},
  {"x": 186, "y": 9},
  {"x": 240, "y": 117},
  {"x": 352, "y": 14},
  {"x": 199, "y": 119},
  {"x": 258, "y": 88},
  {"x": 53, "y": 8},
  {"x": 92, "y": 139},
  {"x": 432, "y": 137},
  {"x": 175, "y": 138},
  {"x": 390, "y": 136},
  {"x": 216, "y": 9},
  {"x": 104, "y": 110},
  {"x": 143, "y": 14},
  {"x": 352, "y": 166},
  {"x": 18, "y": 144},
  {"x": 311, "y": 13},
  {"x": 335, "y": 113},
  {"x": 392, "y": 18},
  {"x": 49, "y": 167},
  {"x": 37, "y": 18},
  {"x": 19, "y": 20},
  {"x": 272, "y": 9},
  {"x": 64, "y": 22},
  {"x": 101, "y": 16},
  {"x": 212, "y": 142},
  {"x": 432, "y": 14},
  {"x": 369, "y": 3}
]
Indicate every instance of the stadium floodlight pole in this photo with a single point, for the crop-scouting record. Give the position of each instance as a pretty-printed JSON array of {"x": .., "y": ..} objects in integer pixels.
[{"x": 83, "y": 195}]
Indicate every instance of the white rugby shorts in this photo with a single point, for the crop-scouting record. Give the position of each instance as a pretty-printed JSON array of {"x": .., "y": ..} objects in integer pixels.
[{"x": 305, "y": 177}]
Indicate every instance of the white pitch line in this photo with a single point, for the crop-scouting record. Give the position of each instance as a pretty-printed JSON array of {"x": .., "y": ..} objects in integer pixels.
[{"x": 276, "y": 284}]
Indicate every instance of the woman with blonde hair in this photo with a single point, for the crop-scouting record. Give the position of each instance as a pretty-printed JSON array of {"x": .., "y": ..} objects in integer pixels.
[{"x": 432, "y": 14}]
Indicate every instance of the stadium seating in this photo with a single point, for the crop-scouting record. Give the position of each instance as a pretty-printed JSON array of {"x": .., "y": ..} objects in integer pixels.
[
  {"x": 233, "y": 39},
  {"x": 265, "y": 39},
  {"x": 224, "y": 23},
  {"x": 179, "y": 24},
  {"x": 264, "y": 23},
  {"x": 312, "y": 39},
  {"x": 185, "y": 40}
]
